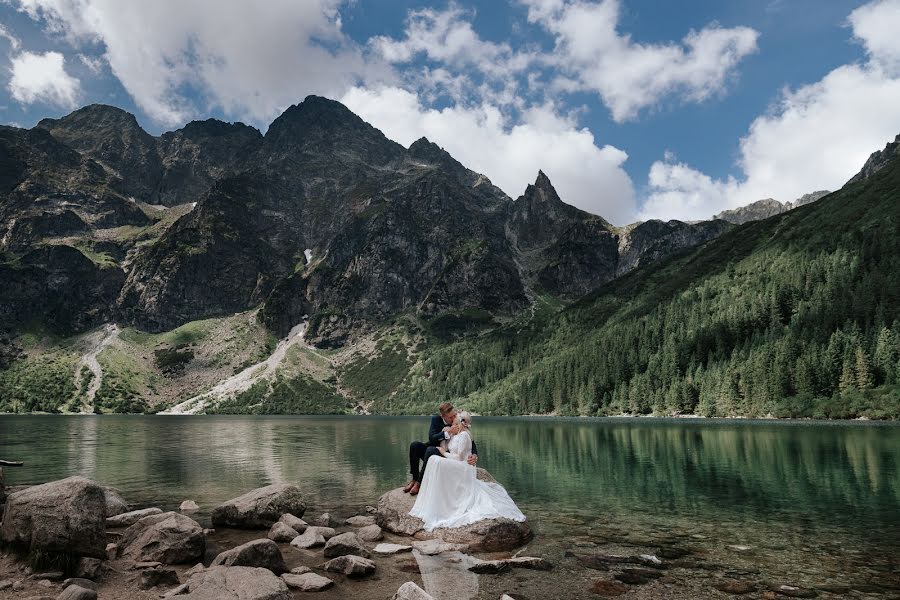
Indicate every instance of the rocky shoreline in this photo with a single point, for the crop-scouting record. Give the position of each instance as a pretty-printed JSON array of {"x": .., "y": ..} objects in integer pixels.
[{"x": 74, "y": 539}]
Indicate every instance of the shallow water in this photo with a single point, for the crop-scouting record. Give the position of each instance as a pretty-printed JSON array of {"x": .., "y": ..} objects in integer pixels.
[{"x": 815, "y": 502}]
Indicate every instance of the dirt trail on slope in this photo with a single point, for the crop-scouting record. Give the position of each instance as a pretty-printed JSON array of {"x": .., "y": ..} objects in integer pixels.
[{"x": 101, "y": 340}]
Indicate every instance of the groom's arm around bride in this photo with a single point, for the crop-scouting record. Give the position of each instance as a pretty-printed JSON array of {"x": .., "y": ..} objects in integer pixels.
[{"x": 440, "y": 430}]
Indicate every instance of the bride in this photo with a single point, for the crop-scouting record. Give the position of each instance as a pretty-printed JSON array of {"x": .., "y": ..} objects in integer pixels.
[{"x": 451, "y": 495}]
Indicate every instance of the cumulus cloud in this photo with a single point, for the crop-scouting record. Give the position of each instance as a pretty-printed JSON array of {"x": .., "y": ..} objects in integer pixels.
[
  {"x": 251, "y": 60},
  {"x": 510, "y": 154},
  {"x": 43, "y": 78},
  {"x": 591, "y": 55},
  {"x": 876, "y": 25},
  {"x": 816, "y": 137}
]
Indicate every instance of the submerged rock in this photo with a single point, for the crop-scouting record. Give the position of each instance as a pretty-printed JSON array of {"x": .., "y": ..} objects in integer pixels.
[
  {"x": 256, "y": 553},
  {"x": 236, "y": 583},
  {"x": 189, "y": 505},
  {"x": 170, "y": 538},
  {"x": 489, "y": 535},
  {"x": 260, "y": 508},
  {"x": 370, "y": 533},
  {"x": 61, "y": 516}
]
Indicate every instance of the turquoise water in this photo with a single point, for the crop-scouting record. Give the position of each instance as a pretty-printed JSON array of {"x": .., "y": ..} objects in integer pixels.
[{"x": 783, "y": 486}]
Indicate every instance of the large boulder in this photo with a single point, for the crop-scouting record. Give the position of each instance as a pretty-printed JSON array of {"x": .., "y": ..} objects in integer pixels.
[
  {"x": 489, "y": 535},
  {"x": 256, "y": 553},
  {"x": 115, "y": 504},
  {"x": 170, "y": 538},
  {"x": 60, "y": 516},
  {"x": 261, "y": 508},
  {"x": 350, "y": 565},
  {"x": 236, "y": 583}
]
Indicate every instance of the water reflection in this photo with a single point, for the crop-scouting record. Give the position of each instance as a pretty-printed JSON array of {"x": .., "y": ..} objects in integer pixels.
[
  {"x": 447, "y": 576},
  {"x": 842, "y": 475}
]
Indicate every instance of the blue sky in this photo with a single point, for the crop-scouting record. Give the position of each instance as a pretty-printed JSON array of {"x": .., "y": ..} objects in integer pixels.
[{"x": 634, "y": 108}]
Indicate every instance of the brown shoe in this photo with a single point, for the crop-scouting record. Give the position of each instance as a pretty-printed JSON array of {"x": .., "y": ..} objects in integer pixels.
[
  {"x": 409, "y": 486},
  {"x": 415, "y": 489}
]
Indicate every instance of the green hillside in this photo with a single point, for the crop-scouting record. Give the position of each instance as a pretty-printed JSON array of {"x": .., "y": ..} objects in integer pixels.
[{"x": 794, "y": 316}]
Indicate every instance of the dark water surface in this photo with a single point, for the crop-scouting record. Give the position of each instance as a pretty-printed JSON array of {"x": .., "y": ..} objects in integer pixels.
[{"x": 811, "y": 499}]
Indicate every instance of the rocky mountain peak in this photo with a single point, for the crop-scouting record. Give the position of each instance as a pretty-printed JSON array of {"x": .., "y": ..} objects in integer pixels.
[
  {"x": 543, "y": 191},
  {"x": 319, "y": 125},
  {"x": 216, "y": 128},
  {"x": 878, "y": 160},
  {"x": 93, "y": 116}
]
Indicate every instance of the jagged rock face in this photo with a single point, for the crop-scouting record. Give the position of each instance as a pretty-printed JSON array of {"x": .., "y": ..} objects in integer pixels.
[
  {"x": 650, "y": 241},
  {"x": 756, "y": 211},
  {"x": 221, "y": 258},
  {"x": 878, "y": 160},
  {"x": 60, "y": 286},
  {"x": 198, "y": 154},
  {"x": 427, "y": 243},
  {"x": 809, "y": 198},
  {"x": 114, "y": 139},
  {"x": 389, "y": 229}
]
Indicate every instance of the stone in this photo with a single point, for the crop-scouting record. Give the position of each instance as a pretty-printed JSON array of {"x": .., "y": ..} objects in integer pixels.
[
  {"x": 111, "y": 551},
  {"x": 130, "y": 518},
  {"x": 295, "y": 523},
  {"x": 637, "y": 576},
  {"x": 609, "y": 589},
  {"x": 52, "y": 575},
  {"x": 739, "y": 548},
  {"x": 325, "y": 532},
  {"x": 307, "y": 582},
  {"x": 260, "y": 508},
  {"x": 60, "y": 516},
  {"x": 350, "y": 565},
  {"x": 45, "y": 583},
  {"x": 436, "y": 546},
  {"x": 345, "y": 543},
  {"x": 115, "y": 504},
  {"x": 154, "y": 577},
  {"x": 181, "y": 589},
  {"x": 370, "y": 533},
  {"x": 188, "y": 505},
  {"x": 282, "y": 533},
  {"x": 733, "y": 586},
  {"x": 308, "y": 539},
  {"x": 195, "y": 569},
  {"x": 484, "y": 567},
  {"x": 80, "y": 582},
  {"x": 323, "y": 520},
  {"x": 793, "y": 591},
  {"x": 75, "y": 592},
  {"x": 410, "y": 591},
  {"x": 360, "y": 521},
  {"x": 489, "y": 535},
  {"x": 170, "y": 538},
  {"x": 530, "y": 562},
  {"x": 256, "y": 553},
  {"x": 391, "y": 549},
  {"x": 236, "y": 583},
  {"x": 146, "y": 564},
  {"x": 300, "y": 570},
  {"x": 5, "y": 584},
  {"x": 506, "y": 597},
  {"x": 90, "y": 568}
]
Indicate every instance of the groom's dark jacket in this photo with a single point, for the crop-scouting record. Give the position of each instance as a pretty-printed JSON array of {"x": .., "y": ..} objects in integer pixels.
[{"x": 436, "y": 433}]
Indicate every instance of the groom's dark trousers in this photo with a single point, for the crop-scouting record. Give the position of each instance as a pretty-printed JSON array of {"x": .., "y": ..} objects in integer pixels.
[{"x": 421, "y": 452}]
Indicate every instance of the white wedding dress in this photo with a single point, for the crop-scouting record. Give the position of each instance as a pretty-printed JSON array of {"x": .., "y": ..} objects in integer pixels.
[{"x": 451, "y": 495}]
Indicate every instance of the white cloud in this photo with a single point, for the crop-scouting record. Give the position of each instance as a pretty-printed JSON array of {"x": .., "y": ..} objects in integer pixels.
[
  {"x": 481, "y": 137},
  {"x": 7, "y": 35},
  {"x": 43, "y": 78},
  {"x": 877, "y": 25},
  {"x": 251, "y": 59},
  {"x": 591, "y": 55},
  {"x": 817, "y": 137}
]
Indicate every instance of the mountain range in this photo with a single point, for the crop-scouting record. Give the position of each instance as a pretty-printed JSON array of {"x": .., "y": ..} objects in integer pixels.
[{"x": 207, "y": 245}]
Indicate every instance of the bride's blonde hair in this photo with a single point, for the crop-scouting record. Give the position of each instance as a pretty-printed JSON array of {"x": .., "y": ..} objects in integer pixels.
[{"x": 464, "y": 415}]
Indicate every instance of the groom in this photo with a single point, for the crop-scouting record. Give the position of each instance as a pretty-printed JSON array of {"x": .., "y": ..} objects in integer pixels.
[{"x": 441, "y": 429}]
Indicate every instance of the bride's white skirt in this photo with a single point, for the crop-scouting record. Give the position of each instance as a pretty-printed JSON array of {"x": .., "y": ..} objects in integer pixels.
[{"x": 451, "y": 496}]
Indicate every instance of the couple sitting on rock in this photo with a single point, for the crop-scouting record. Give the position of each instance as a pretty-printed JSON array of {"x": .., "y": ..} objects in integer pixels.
[{"x": 449, "y": 494}]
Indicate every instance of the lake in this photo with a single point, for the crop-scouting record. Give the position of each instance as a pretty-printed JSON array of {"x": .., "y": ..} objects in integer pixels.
[{"x": 811, "y": 503}]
